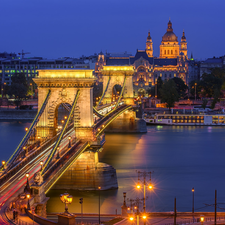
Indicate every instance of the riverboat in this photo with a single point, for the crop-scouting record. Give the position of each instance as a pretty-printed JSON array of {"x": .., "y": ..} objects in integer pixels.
[{"x": 185, "y": 119}]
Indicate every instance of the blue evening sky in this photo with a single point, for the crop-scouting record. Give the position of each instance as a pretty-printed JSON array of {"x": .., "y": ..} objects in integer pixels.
[{"x": 58, "y": 28}]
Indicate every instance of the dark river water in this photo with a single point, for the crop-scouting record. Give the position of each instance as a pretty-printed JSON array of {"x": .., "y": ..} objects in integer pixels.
[{"x": 181, "y": 158}]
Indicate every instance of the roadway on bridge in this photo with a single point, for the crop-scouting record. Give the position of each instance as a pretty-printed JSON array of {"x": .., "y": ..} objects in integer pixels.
[{"x": 16, "y": 184}]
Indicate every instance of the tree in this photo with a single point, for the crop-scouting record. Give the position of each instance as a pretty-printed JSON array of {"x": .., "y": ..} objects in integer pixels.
[
  {"x": 180, "y": 86},
  {"x": 159, "y": 86},
  {"x": 18, "y": 88},
  {"x": 204, "y": 103},
  {"x": 169, "y": 93}
]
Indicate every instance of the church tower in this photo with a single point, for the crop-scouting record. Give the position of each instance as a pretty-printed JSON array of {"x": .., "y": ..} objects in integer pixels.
[
  {"x": 183, "y": 44},
  {"x": 149, "y": 47},
  {"x": 169, "y": 47}
]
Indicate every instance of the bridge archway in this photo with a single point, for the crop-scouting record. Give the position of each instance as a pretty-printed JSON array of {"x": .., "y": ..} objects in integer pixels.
[
  {"x": 117, "y": 75},
  {"x": 64, "y": 85}
]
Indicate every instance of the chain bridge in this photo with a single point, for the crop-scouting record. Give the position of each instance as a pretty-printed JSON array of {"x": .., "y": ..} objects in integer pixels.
[{"x": 65, "y": 151}]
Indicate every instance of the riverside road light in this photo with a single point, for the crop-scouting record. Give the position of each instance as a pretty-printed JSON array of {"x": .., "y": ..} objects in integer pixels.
[
  {"x": 131, "y": 218},
  {"x": 193, "y": 197},
  {"x": 99, "y": 188},
  {"x": 65, "y": 117},
  {"x": 66, "y": 199},
  {"x": 26, "y": 128}
]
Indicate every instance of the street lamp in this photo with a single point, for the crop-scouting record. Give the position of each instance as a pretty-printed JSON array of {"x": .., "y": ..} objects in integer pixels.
[
  {"x": 41, "y": 163},
  {"x": 202, "y": 219},
  {"x": 99, "y": 188},
  {"x": 28, "y": 202},
  {"x": 3, "y": 164},
  {"x": 144, "y": 175},
  {"x": 69, "y": 138},
  {"x": 65, "y": 117},
  {"x": 66, "y": 199},
  {"x": 25, "y": 150},
  {"x": 26, "y": 128},
  {"x": 193, "y": 191},
  {"x": 195, "y": 90}
]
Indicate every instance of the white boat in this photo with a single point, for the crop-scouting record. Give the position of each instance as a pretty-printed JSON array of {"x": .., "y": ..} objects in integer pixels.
[{"x": 185, "y": 119}]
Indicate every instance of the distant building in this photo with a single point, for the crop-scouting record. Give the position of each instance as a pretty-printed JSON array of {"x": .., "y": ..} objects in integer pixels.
[
  {"x": 208, "y": 64},
  {"x": 11, "y": 64},
  {"x": 172, "y": 62}
]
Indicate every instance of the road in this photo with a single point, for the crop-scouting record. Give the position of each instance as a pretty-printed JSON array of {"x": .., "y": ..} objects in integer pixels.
[{"x": 15, "y": 185}]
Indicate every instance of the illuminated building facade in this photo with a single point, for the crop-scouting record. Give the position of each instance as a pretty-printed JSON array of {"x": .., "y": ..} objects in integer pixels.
[{"x": 172, "y": 62}]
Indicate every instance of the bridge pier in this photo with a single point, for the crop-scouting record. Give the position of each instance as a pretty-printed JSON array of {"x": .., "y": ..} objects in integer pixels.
[{"x": 87, "y": 173}]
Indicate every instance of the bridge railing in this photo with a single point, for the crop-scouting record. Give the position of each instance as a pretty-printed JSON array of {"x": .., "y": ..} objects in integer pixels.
[{"x": 8, "y": 174}]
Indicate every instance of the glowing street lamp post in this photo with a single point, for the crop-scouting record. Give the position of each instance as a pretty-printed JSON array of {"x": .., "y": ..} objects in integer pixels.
[
  {"x": 99, "y": 188},
  {"x": 66, "y": 199},
  {"x": 144, "y": 175},
  {"x": 69, "y": 138},
  {"x": 3, "y": 164},
  {"x": 41, "y": 163},
  {"x": 28, "y": 201},
  {"x": 193, "y": 209}
]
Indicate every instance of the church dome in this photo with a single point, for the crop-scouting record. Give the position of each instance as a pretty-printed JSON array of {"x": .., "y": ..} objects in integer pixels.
[{"x": 169, "y": 35}]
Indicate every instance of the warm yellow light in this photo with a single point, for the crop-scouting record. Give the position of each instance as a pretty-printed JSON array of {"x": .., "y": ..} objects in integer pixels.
[
  {"x": 62, "y": 121},
  {"x": 27, "y": 175},
  {"x": 135, "y": 207},
  {"x": 131, "y": 218},
  {"x": 26, "y": 129},
  {"x": 38, "y": 137},
  {"x": 65, "y": 117},
  {"x": 128, "y": 208},
  {"x": 99, "y": 129},
  {"x": 150, "y": 186},
  {"x": 193, "y": 190},
  {"x": 3, "y": 163},
  {"x": 103, "y": 125},
  {"x": 28, "y": 196},
  {"x": 144, "y": 217},
  {"x": 202, "y": 219},
  {"x": 41, "y": 163},
  {"x": 138, "y": 185},
  {"x": 69, "y": 137},
  {"x": 99, "y": 188}
]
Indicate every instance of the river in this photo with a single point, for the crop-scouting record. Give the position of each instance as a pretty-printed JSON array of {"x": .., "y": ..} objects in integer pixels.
[{"x": 181, "y": 158}]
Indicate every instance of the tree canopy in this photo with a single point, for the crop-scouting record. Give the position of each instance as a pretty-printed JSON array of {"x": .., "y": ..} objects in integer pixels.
[
  {"x": 169, "y": 93},
  {"x": 181, "y": 87}
]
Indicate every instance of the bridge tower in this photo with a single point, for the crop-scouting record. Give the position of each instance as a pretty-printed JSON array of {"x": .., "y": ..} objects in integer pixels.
[
  {"x": 121, "y": 75},
  {"x": 64, "y": 85}
]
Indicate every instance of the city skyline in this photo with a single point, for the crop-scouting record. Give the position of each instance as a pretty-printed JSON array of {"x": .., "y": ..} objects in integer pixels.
[{"x": 56, "y": 29}]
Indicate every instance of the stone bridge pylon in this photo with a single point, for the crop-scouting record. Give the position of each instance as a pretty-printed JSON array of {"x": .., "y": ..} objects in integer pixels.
[
  {"x": 118, "y": 75},
  {"x": 64, "y": 85}
]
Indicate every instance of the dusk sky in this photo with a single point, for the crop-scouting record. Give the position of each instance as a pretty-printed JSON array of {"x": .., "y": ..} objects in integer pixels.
[{"x": 72, "y": 28}]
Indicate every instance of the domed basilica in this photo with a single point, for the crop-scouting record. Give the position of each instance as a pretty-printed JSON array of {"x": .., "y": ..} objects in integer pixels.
[{"x": 172, "y": 61}]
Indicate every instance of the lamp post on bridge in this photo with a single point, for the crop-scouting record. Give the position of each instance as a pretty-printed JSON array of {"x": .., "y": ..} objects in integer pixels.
[
  {"x": 41, "y": 163},
  {"x": 3, "y": 164},
  {"x": 69, "y": 138},
  {"x": 28, "y": 201}
]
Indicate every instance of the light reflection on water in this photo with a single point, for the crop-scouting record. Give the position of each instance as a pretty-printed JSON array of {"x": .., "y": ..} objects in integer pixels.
[{"x": 181, "y": 158}]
